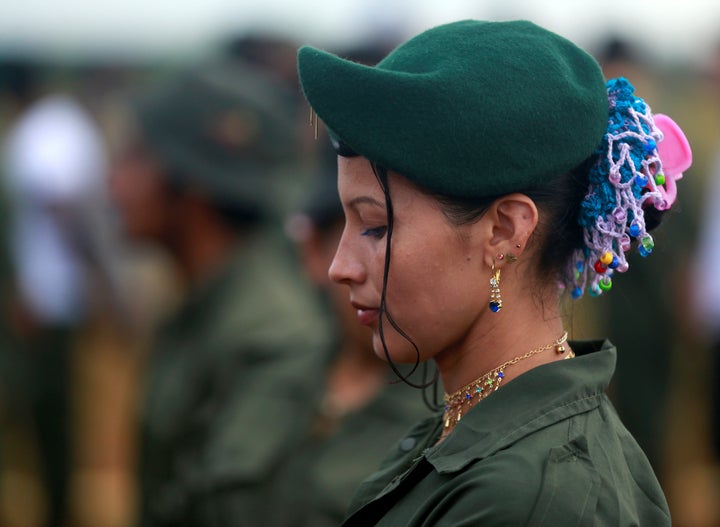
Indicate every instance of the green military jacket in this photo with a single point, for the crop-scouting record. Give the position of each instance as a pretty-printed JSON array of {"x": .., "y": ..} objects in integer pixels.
[
  {"x": 317, "y": 483},
  {"x": 547, "y": 449},
  {"x": 231, "y": 384}
]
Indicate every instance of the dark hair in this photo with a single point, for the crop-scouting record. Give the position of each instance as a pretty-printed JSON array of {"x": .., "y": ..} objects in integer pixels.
[
  {"x": 559, "y": 234},
  {"x": 381, "y": 174}
]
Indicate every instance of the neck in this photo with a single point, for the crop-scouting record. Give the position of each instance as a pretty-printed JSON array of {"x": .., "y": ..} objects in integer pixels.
[
  {"x": 520, "y": 326},
  {"x": 460, "y": 401}
]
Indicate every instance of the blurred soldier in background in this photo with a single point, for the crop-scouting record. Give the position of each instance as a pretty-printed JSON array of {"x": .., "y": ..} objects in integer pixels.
[
  {"x": 233, "y": 376},
  {"x": 706, "y": 290},
  {"x": 54, "y": 178},
  {"x": 705, "y": 277},
  {"x": 364, "y": 411}
]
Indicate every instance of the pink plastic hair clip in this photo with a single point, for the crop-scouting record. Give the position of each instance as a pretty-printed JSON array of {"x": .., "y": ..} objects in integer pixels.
[{"x": 676, "y": 156}]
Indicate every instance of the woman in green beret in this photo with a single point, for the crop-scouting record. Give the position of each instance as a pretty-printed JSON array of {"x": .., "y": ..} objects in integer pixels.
[{"x": 485, "y": 168}]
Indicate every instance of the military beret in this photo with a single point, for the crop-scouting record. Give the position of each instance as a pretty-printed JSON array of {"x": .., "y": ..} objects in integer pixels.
[
  {"x": 471, "y": 108},
  {"x": 220, "y": 128}
]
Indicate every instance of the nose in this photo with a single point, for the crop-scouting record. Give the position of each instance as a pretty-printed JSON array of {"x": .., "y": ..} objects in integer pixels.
[{"x": 346, "y": 268}]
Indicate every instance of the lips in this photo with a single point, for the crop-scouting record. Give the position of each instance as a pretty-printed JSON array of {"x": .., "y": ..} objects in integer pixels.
[{"x": 366, "y": 315}]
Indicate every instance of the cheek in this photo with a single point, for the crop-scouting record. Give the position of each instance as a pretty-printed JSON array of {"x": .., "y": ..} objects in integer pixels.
[
  {"x": 426, "y": 277},
  {"x": 434, "y": 300}
]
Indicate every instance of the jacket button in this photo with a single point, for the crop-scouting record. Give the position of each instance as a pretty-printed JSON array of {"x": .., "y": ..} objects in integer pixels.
[{"x": 407, "y": 444}]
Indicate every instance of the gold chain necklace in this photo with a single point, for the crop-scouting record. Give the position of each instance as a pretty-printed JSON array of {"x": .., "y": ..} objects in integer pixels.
[{"x": 466, "y": 397}]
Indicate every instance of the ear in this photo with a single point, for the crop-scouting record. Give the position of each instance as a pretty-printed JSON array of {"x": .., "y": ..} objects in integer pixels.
[{"x": 511, "y": 221}]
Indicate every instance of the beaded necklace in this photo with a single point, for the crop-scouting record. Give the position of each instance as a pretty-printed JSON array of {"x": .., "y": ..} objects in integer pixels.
[{"x": 457, "y": 403}]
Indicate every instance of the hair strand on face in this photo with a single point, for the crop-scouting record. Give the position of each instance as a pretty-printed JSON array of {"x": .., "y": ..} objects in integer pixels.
[{"x": 382, "y": 177}]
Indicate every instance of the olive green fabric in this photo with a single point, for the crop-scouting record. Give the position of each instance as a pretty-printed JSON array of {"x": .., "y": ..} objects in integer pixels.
[
  {"x": 231, "y": 385},
  {"x": 470, "y": 108},
  {"x": 316, "y": 485},
  {"x": 548, "y": 449},
  {"x": 217, "y": 128}
]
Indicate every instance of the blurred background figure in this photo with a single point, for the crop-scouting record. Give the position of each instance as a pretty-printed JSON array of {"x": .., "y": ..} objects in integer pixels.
[
  {"x": 661, "y": 386},
  {"x": 60, "y": 248},
  {"x": 706, "y": 289},
  {"x": 706, "y": 276},
  {"x": 232, "y": 378},
  {"x": 364, "y": 409}
]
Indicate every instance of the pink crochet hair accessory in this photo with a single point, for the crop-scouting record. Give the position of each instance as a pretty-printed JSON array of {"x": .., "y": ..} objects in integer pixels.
[{"x": 638, "y": 163}]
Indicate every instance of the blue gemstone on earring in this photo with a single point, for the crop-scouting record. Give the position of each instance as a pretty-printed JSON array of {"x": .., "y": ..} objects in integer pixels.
[
  {"x": 494, "y": 307},
  {"x": 577, "y": 293}
]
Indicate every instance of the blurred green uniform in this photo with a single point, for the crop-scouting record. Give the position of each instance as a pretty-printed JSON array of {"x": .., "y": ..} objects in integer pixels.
[
  {"x": 231, "y": 385},
  {"x": 233, "y": 377},
  {"x": 548, "y": 449},
  {"x": 316, "y": 485}
]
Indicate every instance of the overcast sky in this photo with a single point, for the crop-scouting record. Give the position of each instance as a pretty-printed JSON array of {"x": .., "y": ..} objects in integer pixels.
[{"x": 668, "y": 29}]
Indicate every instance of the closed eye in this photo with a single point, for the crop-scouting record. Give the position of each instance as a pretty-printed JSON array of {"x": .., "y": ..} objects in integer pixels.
[{"x": 376, "y": 232}]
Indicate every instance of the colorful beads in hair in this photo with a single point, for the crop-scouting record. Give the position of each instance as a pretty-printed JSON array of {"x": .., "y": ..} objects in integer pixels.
[{"x": 627, "y": 177}]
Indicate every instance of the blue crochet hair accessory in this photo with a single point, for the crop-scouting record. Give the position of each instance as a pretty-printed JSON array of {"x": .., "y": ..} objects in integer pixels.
[{"x": 626, "y": 178}]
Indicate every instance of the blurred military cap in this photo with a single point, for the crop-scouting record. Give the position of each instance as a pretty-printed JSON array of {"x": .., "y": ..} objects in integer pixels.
[{"x": 221, "y": 128}]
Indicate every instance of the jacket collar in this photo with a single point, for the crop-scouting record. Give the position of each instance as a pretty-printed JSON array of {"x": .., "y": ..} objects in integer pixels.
[{"x": 537, "y": 399}]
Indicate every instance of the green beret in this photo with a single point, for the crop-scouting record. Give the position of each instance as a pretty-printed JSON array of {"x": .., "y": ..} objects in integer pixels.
[
  {"x": 469, "y": 108},
  {"x": 219, "y": 128}
]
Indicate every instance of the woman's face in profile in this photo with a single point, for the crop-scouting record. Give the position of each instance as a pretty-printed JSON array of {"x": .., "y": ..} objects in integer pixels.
[{"x": 437, "y": 284}]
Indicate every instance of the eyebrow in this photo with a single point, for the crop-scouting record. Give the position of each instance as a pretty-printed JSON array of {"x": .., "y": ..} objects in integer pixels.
[{"x": 365, "y": 199}]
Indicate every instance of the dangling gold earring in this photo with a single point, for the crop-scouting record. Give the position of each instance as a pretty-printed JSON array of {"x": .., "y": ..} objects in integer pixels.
[{"x": 495, "y": 299}]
